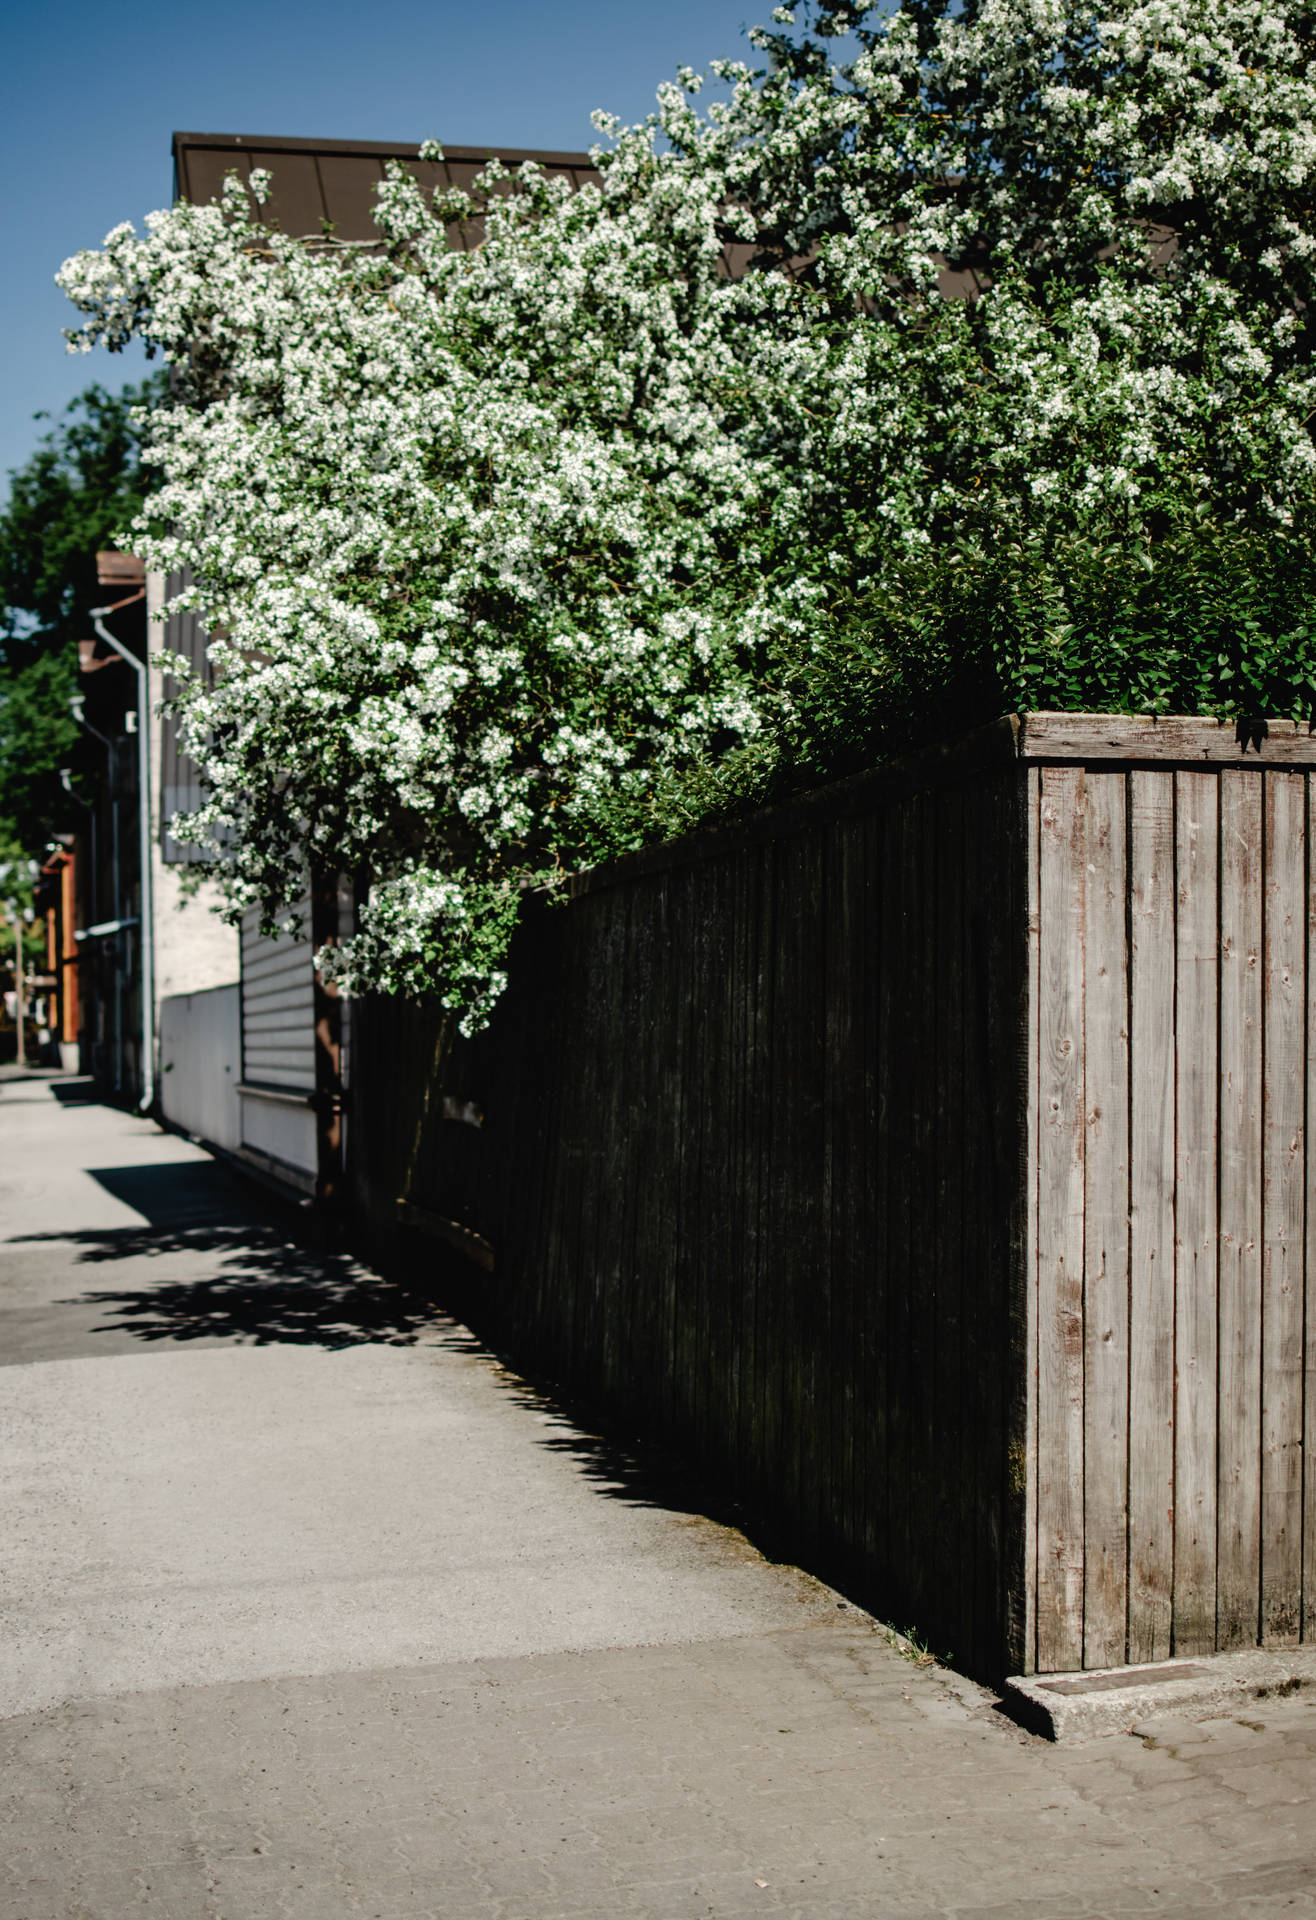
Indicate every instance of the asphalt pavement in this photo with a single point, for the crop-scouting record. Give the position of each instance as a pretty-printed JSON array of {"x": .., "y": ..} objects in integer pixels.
[{"x": 311, "y": 1606}]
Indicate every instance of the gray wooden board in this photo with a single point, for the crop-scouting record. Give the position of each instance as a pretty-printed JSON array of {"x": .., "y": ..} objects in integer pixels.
[
  {"x": 1309, "y": 1355},
  {"x": 1283, "y": 1211},
  {"x": 1180, "y": 738},
  {"x": 1196, "y": 1217},
  {"x": 1238, "y": 1535},
  {"x": 1151, "y": 1214},
  {"x": 1106, "y": 1223},
  {"x": 1062, "y": 875}
]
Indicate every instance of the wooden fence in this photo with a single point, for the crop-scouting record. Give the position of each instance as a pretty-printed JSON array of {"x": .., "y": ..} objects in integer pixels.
[
  {"x": 926, "y": 1159},
  {"x": 1174, "y": 1069}
]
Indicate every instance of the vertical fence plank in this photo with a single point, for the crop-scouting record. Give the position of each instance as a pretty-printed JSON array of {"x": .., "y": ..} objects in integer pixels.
[
  {"x": 1309, "y": 1318},
  {"x": 546, "y": 1277},
  {"x": 1283, "y": 1208},
  {"x": 737, "y": 1226},
  {"x": 1239, "y": 1521},
  {"x": 1196, "y": 1219},
  {"x": 695, "y": 1345},
  {"x": 884, "y": 1423},
  {"x": 643, "y": 1254},
  {"x": 798, "y": 1131},
  {"x": 610, "y": 1183},
  {"x": 1060, "y": 1223},
  {"x": 677, "y": 1009},
  {"x": 752, "y": 1257},
  {"x": 870, "y": 1271},
  {"x": 846, "y": 1143},
  {"x": 1151, "y": 1214},
  {"x": 765, "y": 1400},
  {"x": 982, "y": 1314},
  {"x": 1027, "y": 1276},
  {"x": 1006, "y": 877},
  {"x": 1106, "y": 1224},
  {"x": 923, "y": 1278},
  {"x": 953, "y": 1545},
  {"x": 898, "y": 1065}
]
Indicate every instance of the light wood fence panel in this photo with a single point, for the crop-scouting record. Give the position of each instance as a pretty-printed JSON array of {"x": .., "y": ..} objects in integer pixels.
[{"x": 1205, "y": 943}]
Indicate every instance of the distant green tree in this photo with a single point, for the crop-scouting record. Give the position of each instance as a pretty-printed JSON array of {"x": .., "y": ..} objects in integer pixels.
[
  {"x": 18, "y": 876},
  {"x": 74, "y": 496}
]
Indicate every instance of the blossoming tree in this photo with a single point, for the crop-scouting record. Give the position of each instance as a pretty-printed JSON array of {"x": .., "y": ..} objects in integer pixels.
[{"x": 696, "y": 480}]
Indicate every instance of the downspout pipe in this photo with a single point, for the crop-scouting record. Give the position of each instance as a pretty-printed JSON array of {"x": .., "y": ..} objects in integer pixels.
[{"x": 146, "y": 916}]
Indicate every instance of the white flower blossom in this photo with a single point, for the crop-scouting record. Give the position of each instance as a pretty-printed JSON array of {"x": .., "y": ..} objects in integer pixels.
[{"x": 496, "y": 543}]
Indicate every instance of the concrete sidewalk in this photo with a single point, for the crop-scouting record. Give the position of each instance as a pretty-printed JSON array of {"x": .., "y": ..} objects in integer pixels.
[{"x": 311, "y": 1608}]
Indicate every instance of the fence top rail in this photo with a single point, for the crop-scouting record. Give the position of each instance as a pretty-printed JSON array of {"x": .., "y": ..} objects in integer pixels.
[
  {"x": 1013, "y": 740},
  {"x": 1160, "y": 737}
]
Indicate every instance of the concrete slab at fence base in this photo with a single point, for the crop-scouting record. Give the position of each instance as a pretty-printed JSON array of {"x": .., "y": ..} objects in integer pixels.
[{"x": 1084, "y": 1706}]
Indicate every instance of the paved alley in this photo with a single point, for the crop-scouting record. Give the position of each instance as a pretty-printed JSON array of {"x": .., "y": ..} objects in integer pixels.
[{"x": 311, "y": 1608}]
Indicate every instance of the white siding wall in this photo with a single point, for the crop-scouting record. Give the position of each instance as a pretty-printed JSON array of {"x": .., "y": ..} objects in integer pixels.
[
  {"x": 278, "y": 1044},
  {"x": 278, "y": 1049},
  {"x": 278, "y": 1041},
  {"x": 194, "y": 949},
  {"x": 200, "y": 1063}
]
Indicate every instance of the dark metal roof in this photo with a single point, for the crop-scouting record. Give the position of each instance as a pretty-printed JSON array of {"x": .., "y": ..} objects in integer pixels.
[
  {"x": 319, "y": 181},
  {"x": 334, "y": 181}
]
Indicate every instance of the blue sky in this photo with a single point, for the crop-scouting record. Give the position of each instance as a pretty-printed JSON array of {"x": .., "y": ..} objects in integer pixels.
[{"x": 95, "y": 92}]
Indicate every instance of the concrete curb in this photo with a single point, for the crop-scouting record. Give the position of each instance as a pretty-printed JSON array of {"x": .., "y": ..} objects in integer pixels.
[{"x": 1071, "y": 1707}]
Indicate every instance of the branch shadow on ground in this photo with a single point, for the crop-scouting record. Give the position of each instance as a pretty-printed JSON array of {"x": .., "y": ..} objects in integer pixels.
[
  {"x": 245, "y": 1274},
  {"x": 263, "y": 1290}
]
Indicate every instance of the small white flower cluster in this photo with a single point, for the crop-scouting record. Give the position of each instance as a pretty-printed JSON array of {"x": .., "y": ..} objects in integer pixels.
[{"x": 499, "y": 541}]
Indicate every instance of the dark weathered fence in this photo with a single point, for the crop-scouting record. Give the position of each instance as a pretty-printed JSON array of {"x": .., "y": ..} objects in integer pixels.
[{"x": 927, "y": 1159}]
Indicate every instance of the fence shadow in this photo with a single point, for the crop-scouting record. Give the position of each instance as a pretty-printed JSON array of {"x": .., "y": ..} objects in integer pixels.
[
  {"x": 250, "y": 1278},
  {"x": 264, "y": 1288}
]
